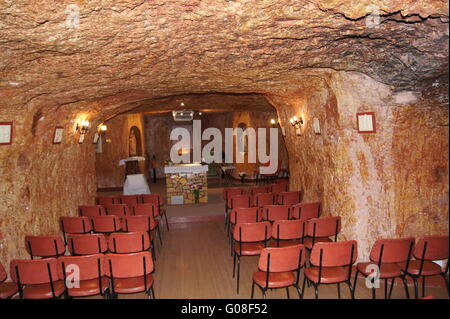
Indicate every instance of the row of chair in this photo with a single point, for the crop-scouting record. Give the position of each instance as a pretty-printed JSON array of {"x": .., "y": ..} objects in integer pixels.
[
  {"x": 333, "y": 262},
  {"x": 80, "y": 276},
  {"x": 87, "y": 244}
]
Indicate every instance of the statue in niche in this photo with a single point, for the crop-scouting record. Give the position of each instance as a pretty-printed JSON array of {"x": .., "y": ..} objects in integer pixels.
[{"x": 133, "y": 144}]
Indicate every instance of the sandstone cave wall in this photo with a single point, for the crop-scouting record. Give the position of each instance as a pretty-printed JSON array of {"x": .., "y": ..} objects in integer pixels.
[
  {"x": 376, "y": 182},
  {"x": 41, "y": 181}
]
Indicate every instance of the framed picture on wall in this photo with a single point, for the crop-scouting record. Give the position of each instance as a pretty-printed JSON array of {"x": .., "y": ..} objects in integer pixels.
[
  {"x": 6, "y": 133},
  {"x": 366, "y": 122},
  {"x": 81, "y": 138},
  {"x": 96, "y": 136},
  {"x": 58, "y": 134}
]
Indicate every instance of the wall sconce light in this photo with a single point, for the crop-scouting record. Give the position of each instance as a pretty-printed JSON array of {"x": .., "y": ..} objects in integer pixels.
[
  {"x": 103, "y": 128},
  {"x": 273, "y": 122},
  {"x": 296, "y": 122},
  {"x": 83, "y": 126}
]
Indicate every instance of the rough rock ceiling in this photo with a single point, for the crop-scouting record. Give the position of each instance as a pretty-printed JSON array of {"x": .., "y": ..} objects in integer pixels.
[
  {"x": 213, "y": 102},
  {"x": 163, "y": 48}
]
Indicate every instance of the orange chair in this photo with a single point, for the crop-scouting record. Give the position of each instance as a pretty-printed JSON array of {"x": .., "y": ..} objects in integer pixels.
[
  {"x": 106, "y": 200},
  {"x": 75, "y": 225},
  {"x": 427, "y": 250},
  {"x": 7, "y": 289},
  {"x": 91, "y": 210},
  {"x": 277, "y": 267},
  {"x": 290, "y": 198},
  {"x": 237, "y": 201},
  {"x": 321, "y": 229},
  {"x": 262, "y": 199},
  {"x": 385, "y": 257},
  {"x": 87, "y": 244},
  {"x": 278, "y": 188},
  {"x": 130, "y": 273},
  {"x": 37, "y": 279},
  {"x": 125, "y": 243},
  {"x": 120, "y": 210},
  {"x": 159, "y": 201},
  {"x": 288, "y": 232},
  {"x": 241, "y": 215},
  {"x": 91, "y": 278},
  {"x": 272, "y": 213},
  {"x": 257, "y": 190},
  {"x": 45, "y": 246},
  {"x": 129, "y": 200},
  {"x": 149, "y": 209},
  {"x": 248, "y": 240},
  {"x": 226, "y": 194},
  {"x": 106, "y": 224},
  {"x": 331, "y": 263},
  {"x": 306, "y": 211}
]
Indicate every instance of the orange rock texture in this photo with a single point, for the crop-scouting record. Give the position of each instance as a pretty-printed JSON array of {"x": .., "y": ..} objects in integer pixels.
[{"x": 64, "y": 61}]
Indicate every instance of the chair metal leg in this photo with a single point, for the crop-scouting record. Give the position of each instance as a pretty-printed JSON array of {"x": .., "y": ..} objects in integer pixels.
[
  {"x": 153, "y": 292},
  {"x": 234, "y": 264},
  {"x": 238, "y": 272},
  {"x": 303, "y": 287},
  {"x": 253, "y": 289},
  {"x": 385, "y": 288},
  {"x": 392, "y": 286},
  {"x": 287, "y": 293},
  {"x": 264, "y": 293},
  {"x": 405, "y": 284},
  {"x": 350, "y": 288},
  {"x": 416, "y": 287},
  {"x": 339, "y": 290},
  {"x": 373, "y": 293},
  {"x": 167, "y": 223},
  {"x": 316, "y": 290}
]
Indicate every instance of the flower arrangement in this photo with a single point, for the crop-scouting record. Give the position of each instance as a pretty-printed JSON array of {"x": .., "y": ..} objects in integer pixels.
[{"x": 196, "y": 191}]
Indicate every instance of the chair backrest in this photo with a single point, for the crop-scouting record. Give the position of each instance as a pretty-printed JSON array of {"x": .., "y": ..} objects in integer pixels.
[
  {"x": 262, "y": 199},
  {"x": 130, "y": 200},
  {"x": 91, "y": 210},
  {"x": 244, "y": 215},
  {"x": 288, "y": 229},
  {"x": 32, "y": 272},
  {"x": 334, "y": 254},
  {"x": 45, "y": 246},
  {"x": 106, "y": 224},
  {"x": 306, "y": 211},
  {"x": 228, "y": 192},
  {"x": 106, "y": 200},
  {"x": 87, "y": 244},
  {"x": 290, "y": 198},
  {"x": 432, "y": 248},
  {"x": 278, "y": 188},
  {"x": 75, "y": 225},
  {"x": 138, "y": 223},
  {"x": 282, "y": 259},
  {"x": 392, "y": 250},
  {"x": 129, "y": 265},
  {"x": 125, "y": 243},
  {"x": 146, "y": 209},
  {"x": 90, "y": 266},
  {"x": 120, "y": 210},
  {"x": 152, "y": 199},
  {"x": 276, "y": 212},
  {"x": 258, "y": 190},
  {"x": 3, "y": 274},
  {"x": 252, "y": 232},
  {"x": 239, "y": 201},
  {"x": 323, "y": 227}
]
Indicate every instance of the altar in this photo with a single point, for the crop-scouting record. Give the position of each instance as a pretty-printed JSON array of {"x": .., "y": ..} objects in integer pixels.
[{"x": 186, "y": 184}]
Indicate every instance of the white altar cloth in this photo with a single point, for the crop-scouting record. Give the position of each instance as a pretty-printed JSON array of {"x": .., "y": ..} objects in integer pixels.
[{"x": 135, "y": 184}]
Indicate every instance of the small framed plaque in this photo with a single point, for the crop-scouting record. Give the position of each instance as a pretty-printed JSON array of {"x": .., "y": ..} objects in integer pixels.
[
  {"x": 96, "y": 136},
  {"x": 316, "y": 124},
  {"x": 298, "y": 131},
  {"x": 81, "y": 138},
  {"x": 57, "y": 136},
  {"x": 366, "y": 122},
  {"x": 6, "y": 133}
]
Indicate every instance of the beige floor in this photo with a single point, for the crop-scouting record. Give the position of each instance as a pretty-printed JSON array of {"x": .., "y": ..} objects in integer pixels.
[{"x": 195, "y": 262}]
